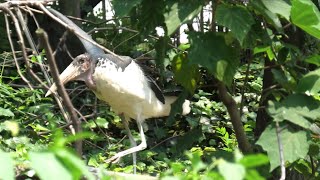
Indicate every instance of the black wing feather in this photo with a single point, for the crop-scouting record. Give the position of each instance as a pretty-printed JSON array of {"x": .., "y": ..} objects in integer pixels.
[{"x": 156, "y": 89}]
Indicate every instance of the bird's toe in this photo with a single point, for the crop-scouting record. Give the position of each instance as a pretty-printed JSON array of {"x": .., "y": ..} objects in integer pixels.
[{"x": 113, "y": 159}]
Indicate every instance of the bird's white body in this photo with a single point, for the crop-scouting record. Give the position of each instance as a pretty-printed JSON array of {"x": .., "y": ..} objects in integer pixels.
[
  {"x": 121, "y": 83},
  {"x": 128, "y": 91}
]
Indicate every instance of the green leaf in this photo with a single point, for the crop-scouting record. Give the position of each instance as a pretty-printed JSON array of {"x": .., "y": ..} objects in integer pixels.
[
  {"x": 266, "y": 49},
  {"x": 253, "y": 174},
  {"x": 74, "y": 164},
  {"x": 310, "y": 83},
  {"x": 102, "y": 122},
  {"x": 296, "y": 108},
  {"x": 176, "y": 107},
  {"x": 48, "y": 166},
  {"x": 180, "y": 12},
  {"x": 187, "y": 140},
  {"x": 7, "y": 166},
  {"x": 236, "y": 18},
  {"x": 184, "y": 73},
  {"x": 123, "y": 7},
  {"x": 295, "y": 144},
  {"x": 305, "y": 15},
  {"x": 283, "y": 77},
  {"x": 271, "y": 17},
  {"x": 196, "y": 162},
  {"x": 314, "y": 59},
  {"x": 222, "y": 60},
  {"x": 225, "y": 168},
  {"x": 254, "y": 160},
  {"x": 6, "y": 112},
  {"x": 278, "y": 7}
]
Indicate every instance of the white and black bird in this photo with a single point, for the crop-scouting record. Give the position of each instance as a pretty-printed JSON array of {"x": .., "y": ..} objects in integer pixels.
[{"x": 121, "y": 83}]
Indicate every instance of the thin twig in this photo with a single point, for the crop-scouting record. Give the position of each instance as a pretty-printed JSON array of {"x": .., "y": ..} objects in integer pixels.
[
  {"x": 169, "y": 138},
  {"x": 42, "y": 66},
  {"x": 22, "y": 46},
  {"x": 282, "y": 161},
  {"x": 14, "y": 55}
]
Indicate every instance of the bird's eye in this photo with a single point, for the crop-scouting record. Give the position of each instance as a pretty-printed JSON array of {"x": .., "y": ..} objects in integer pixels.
[{"x": 81, "y": 61}]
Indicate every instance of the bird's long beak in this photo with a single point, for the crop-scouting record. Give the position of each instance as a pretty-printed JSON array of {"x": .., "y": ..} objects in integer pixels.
[{"x": 69, "y": 74}]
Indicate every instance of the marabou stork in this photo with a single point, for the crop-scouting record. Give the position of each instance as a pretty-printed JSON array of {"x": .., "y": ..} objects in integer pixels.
[{"x": 120, "y": 83}]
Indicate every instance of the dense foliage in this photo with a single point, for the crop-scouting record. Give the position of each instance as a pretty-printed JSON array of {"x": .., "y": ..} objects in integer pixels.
[{"x": 262, "y": 53}]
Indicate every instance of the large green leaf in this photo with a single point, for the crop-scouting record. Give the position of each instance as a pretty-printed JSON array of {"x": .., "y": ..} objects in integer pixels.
[
  {"x": 7, "y": 166},
  {"x": 74, "y": 164},
  {"x": 305, "y": 15},
  {"x": 271, "y": 17},
  {"x": 123, "y": 7},
  {"x": 48, "y": 166},
  {"x": 298, "y": 109},
  {"x": 180, "y": 12},
  {"x": 225, "y": 168},
  {"x": 236, "y": 18},
  {"x": 280, "y": 7},
  {"x": 295, "y": 144},
  {"x": 185, "y": 74},
  {"x": 310, "y": 83},
  {"x": 211, "y": 51}
]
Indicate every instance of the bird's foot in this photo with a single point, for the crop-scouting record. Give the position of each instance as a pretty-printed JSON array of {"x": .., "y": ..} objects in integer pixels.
[{"x": 114, "y": 159}]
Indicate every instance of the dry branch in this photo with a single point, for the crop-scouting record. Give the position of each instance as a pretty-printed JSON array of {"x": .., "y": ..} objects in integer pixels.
[{"x": 61, "y": 90}]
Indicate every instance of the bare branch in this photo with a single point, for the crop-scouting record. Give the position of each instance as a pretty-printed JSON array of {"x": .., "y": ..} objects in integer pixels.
[
  {"x": 235, "y": 118},
  {"x": 14, "y": 55},
  {"x": 75, "y": 32},
  {"x": 55, "y": 74}
]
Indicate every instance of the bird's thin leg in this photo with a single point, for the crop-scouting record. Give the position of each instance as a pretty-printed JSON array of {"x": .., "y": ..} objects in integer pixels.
[
  {"x": 140, "y": 147},
  {"x": 132, "y": 141}
]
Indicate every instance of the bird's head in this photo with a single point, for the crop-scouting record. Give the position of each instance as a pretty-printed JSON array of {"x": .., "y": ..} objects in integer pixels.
[{"x": 81, "y": 69}]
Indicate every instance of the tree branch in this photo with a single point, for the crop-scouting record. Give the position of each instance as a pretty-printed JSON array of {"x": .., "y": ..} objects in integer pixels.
[
  {"x": 235, "y": 118},
  {"x": 61, "y": 90}
]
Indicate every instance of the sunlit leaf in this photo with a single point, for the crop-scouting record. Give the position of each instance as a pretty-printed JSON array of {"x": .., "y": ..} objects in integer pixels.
[
  {"x": 310, "y": 83},
  {"x": 180, "y": 12},
  {"x": 13, "y": 127},
  {"x": 314, "y": 59},
  {"x": 6, "y": 112},
  {"x": 225, "y": 168},
  {"x": 271, "y": 17},
  {"x": 305, "y": 15},
  {"x": 280, "y": 7},
  {"x": 185, "y": 74},
  {"x": 254, "y": 160}
]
